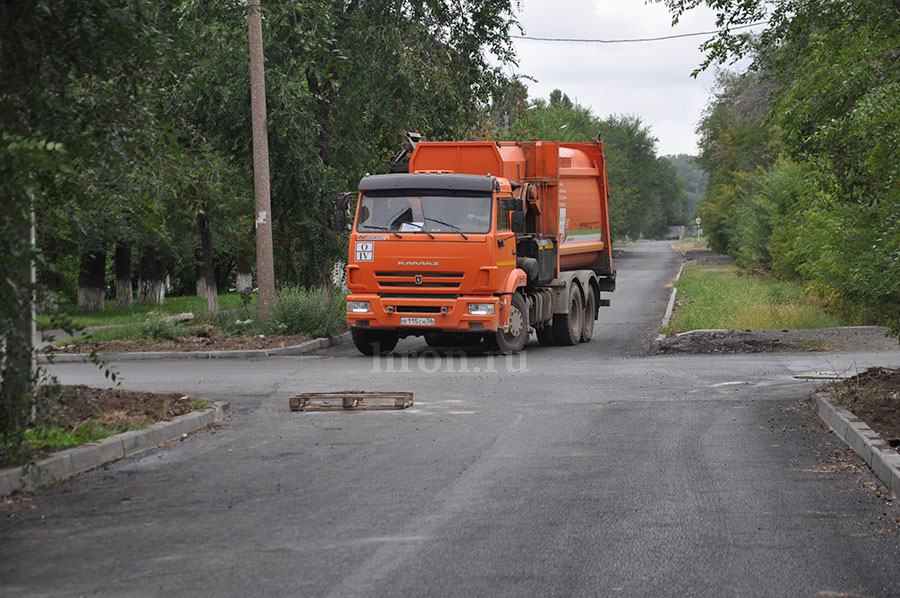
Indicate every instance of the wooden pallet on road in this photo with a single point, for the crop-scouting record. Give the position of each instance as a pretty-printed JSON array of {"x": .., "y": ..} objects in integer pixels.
[{"x": 350, "y": 400}]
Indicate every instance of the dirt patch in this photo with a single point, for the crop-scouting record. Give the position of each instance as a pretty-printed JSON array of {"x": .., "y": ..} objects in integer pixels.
[
  {"x": 79, "y": 403},
  {"x": 874, "y": 397},
  {"x": 114, "y": 408},
  {"x": 193, "y": 343},
  {"x": 845, "y": 338}
]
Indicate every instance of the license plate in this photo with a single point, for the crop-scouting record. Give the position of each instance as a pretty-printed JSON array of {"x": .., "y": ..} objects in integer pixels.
[{"x": 417, "y": 321}]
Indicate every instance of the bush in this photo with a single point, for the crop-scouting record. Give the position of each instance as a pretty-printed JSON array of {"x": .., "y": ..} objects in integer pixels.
[
  {"x": 158, "y": 329},
  {"x": 312, "y": 312}
]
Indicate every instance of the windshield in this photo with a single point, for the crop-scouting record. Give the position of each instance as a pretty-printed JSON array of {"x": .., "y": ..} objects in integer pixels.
[{"x": 418, "y": 213}]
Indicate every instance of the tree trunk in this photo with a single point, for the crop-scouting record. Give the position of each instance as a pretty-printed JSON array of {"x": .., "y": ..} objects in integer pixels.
[
  {"x": 47, "y": 300},
  {"x": 124, "y": 296},
  {"x": 152, "y": 275},
  {"x": 198, "y": 271},
  {"x": 92, "y": 280},
  {"x": 244, "y": 282},
  {"x": 209, "y": 274}
]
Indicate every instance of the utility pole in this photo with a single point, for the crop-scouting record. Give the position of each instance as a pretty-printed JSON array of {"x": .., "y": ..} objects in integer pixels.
[{"x": 265, "y": 267}]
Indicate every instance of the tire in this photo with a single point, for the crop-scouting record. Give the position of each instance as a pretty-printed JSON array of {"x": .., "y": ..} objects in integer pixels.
[
  {"x": 372, "y": 342},
  {"x": 590, "y": 313},
  {"x": 545, "y": 336},
  {"x": 514, "y": 340},
  {"x": 567, "y": 327}
]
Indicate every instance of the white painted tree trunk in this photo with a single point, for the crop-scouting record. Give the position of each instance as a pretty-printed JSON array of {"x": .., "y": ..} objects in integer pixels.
[
  {"x": 152, "y": 291},
  {"x": 244, "y": 283},
  {"x": 91, "y": 298},
  {"x": 124, "y": 298}
]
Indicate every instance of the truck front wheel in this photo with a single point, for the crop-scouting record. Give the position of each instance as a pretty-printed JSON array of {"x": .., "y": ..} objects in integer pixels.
[
  {"x": 371, "y": 342},
  {"x": 514, "y": 339}
]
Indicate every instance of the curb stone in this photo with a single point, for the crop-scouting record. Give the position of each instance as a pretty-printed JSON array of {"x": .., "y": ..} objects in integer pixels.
[
  {"x": 883, "y": 460},
  {"x": 307, "y": 347},
  {"x": 654, "y": 346},
  {"x": 68, "y": 463}
]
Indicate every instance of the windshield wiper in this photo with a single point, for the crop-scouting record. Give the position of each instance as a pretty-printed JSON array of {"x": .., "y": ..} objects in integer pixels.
[
  {"x": 421, "y": 227},
  {"x": 387, "y": 230},
  {"x": 452, "y": 226}
]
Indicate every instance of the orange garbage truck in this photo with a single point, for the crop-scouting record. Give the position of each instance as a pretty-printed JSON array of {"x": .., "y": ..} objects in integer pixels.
[{"x": 482, "y": 242}]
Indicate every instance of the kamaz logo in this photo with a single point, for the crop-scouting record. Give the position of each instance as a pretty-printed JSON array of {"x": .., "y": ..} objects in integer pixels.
[{"x": 414, "y": 263}]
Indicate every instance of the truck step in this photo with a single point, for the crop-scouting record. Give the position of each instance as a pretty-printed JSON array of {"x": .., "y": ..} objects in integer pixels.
[{"x": 350, "y": 400}]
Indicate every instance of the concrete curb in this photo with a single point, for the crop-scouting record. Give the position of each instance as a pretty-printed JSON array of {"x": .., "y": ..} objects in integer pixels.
[
  {"x": 68, "y": 463},
  {"x": 308, "y": 346},
  {"x": 883, "y": 460},
  {"x": 654, "y": 345}
]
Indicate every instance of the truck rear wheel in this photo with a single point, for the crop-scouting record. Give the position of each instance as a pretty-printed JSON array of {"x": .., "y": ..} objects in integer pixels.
[
  {"x": 371, "y": 342},
  {"x": 512, "y": 341},
  {"x": 590, "y": 313},
  {"x": 567, "y": 327}
]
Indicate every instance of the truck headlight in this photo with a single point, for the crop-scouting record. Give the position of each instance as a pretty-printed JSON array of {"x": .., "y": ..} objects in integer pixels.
[
  {"x": 481, "y": 309},
  {"x": 358, "y": 307}
]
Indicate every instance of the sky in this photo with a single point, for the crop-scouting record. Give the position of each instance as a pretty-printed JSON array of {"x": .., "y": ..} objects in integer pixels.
[{"x": 651, "y": 79}]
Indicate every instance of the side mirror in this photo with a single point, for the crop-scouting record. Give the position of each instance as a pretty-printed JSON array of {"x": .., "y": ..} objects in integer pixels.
[
  {"x": 340, "y": 214},
  {"x": 517, "y": 223},
  {"x": 517, "y": 204}
]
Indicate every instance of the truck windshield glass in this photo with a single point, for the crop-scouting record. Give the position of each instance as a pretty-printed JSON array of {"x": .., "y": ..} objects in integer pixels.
[{"x": 425, "y": 213}]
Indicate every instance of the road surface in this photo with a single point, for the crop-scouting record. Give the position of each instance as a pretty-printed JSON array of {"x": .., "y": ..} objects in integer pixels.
[{"x": 579, "y": 471}]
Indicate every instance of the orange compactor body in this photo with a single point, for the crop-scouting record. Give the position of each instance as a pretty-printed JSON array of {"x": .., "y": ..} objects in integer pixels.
[{"x": 482, "y": 242}]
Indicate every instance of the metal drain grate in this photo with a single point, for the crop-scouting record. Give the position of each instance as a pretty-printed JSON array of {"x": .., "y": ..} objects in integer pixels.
[{"x": 350, "y": 400}]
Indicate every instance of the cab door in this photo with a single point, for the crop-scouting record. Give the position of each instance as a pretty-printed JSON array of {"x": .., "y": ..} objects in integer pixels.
[{"x": 505, "y": 239}]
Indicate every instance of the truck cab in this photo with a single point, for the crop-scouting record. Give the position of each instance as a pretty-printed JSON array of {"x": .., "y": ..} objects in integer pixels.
[{"x": 429, "y": 253}]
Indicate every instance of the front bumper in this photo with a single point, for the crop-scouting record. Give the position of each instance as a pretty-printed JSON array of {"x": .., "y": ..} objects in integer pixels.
[{"x": 451, "y": 314}]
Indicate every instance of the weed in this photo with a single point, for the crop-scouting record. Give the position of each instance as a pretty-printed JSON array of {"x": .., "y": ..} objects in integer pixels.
[
  {"x": 157, "y": 329},
  {"x": 198, "y": 404},
  {"x": 310, "y": 312}
]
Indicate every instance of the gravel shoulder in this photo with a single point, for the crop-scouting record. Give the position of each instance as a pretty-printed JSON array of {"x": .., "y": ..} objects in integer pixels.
[{"x": 850, "y": 339}]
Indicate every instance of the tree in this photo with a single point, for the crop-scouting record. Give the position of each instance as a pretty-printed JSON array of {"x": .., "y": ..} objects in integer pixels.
[{"x": 807, "y": 182}]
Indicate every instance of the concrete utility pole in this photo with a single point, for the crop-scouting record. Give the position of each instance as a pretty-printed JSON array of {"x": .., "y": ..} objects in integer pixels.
[{"x": 265, "y": 267}]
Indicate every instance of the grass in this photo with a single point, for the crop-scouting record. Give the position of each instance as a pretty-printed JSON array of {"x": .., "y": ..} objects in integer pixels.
[
  {"x": 141, "y": 311},
  {"x": 717, "y": 297},
  {"x": 296, "y": 311},
  {"x": 51, "y": 437}
]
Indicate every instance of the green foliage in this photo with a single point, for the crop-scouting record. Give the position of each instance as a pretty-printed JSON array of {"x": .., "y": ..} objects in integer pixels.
[
  {"x": 802, "y": 148},
  {"x": 312, "y": 312},
  {"x": 157, "y": 329},
  {"x": 49, "y": 437},
  {"x": 695, "y": 179}
]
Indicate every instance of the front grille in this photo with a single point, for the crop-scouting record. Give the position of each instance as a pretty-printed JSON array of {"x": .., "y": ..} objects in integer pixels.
[
  {"x": 422, "y": 274},
  {"x": 415, "y": 296},
  {"x": 426, "y": 280}
]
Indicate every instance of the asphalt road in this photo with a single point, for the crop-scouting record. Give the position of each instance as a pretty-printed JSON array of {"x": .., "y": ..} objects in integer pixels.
[{"x": 584, "y": 471}]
